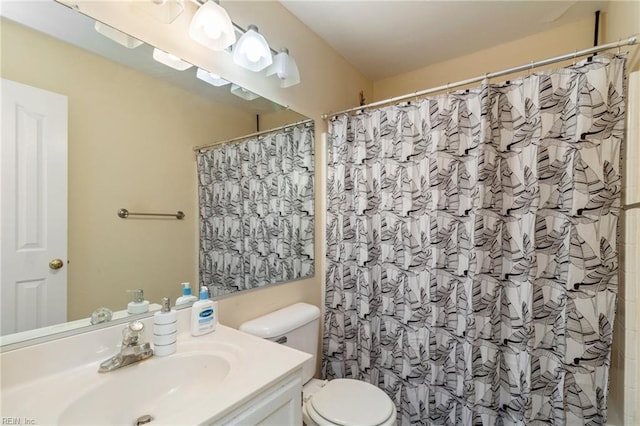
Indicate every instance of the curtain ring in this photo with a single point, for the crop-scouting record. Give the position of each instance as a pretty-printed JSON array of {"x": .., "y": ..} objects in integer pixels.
[
  {"x": 575, "y": 55},
  {"x": 447, "y": 91},
  {"x": 530, "y": 68},
  {"x": 619, "y": 45}
]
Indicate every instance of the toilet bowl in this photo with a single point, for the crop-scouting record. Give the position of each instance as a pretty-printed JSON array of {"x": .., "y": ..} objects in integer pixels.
[{"x": 344, "y": 402}]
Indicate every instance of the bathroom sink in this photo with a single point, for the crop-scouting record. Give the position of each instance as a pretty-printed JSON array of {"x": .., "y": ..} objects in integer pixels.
[
  {"x": 207, "y": 380},
  {"x": 155, "y": 388}
]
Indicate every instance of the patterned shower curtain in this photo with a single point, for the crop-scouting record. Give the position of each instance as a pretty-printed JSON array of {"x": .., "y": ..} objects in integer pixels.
[
  {"x": 471, "y": 249},
  {"x": 256, "y": 210}
]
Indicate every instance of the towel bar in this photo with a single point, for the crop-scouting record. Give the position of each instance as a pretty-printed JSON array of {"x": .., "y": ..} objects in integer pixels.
[{"x": 124, "y": 213}]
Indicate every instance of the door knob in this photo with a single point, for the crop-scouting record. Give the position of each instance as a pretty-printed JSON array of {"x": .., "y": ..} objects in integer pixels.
[{"x": 56, "y": 264}]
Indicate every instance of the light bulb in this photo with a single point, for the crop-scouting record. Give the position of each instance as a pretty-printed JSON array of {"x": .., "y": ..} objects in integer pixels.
[
  {"x": 253, "y": 50},
  {"x": 285, "y": 68},
  {"x": 212, "y": 27},
  {"x": 212, "y": 31}
]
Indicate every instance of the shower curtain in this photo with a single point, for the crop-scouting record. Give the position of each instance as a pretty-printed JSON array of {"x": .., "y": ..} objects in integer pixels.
[
  {"x": 256, "y": 210},
  {"x": 471, "y": 249}
]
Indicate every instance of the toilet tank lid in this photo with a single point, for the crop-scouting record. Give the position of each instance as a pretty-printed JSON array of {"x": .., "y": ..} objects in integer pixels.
[{"x": 282, "y": 321}]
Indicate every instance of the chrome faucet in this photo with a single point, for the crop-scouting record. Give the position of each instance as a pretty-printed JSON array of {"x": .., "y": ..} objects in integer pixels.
[{"x": 133, "y": 349}]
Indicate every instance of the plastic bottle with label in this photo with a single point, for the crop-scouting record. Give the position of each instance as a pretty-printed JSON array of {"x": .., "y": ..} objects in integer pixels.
[{"x": 204, "y": 314}]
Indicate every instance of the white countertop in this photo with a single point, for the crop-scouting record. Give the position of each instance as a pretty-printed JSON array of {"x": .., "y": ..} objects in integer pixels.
[{"x": 40, "y": 381}]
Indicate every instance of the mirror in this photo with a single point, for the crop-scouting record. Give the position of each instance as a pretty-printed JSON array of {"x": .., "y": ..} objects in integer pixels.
[{"x": 132, "y": 125}]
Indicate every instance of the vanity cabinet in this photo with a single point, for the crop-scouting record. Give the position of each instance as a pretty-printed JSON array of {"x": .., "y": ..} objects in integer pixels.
[
  {"x": 223, "y": 378},
  {"x": 278, "y": 405}
]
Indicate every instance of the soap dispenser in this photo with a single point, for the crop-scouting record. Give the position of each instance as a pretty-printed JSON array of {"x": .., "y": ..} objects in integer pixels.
[
  {"x": 165, "y": 329},
  {"x": 138, "y": 305},
  {"x": 186, "y": 297},
  {"x": 204, "y": 314}
]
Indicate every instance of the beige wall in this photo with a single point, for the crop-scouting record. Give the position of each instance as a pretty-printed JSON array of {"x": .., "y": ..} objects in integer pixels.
[
  {"x": 130, "y": 145},
  {"x": 620, "y": 21},
  {"x": 568, "y": 38},
  {"x": 279, "y": 118}
]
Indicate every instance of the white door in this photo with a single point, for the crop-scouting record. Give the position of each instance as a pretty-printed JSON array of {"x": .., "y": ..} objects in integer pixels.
[{"x": 33, "y": 208}]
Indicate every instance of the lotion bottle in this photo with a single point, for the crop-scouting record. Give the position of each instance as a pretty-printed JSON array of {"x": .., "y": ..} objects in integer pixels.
[
  {"x": 186, "y": 297},
  {"x": 138, "y": 305},
  {"x": 204, "y": 315},
  {"x": 165, "y": 329}
]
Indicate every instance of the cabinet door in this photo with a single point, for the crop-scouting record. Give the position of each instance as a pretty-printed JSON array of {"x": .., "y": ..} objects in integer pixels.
[{"x": 278, "y": 406}]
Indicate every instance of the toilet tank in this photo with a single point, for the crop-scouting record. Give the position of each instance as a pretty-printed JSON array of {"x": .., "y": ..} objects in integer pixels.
[{"x": 296, "y": 326}]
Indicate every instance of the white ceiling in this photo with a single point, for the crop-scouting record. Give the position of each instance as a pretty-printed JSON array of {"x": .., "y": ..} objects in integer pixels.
[{"x": 386, "y": 38}]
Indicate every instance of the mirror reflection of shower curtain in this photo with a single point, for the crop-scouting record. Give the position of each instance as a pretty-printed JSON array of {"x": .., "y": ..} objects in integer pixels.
[
  {"x": 471, "y": 249},
  {"x": 256, "y": 211}
]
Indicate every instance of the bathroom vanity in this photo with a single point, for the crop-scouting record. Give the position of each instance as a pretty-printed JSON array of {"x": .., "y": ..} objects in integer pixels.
[{"x": 226, "y": 377}]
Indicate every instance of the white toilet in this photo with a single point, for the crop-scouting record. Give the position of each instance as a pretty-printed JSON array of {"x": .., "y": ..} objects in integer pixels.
[{"x": 344, "y": 402}]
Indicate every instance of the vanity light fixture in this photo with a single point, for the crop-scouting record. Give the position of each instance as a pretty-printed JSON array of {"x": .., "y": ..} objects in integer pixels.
[
  {"x": 116, "y": 35},
  {"x": 211, "y": 78},
  {"x": 243, "y": 93},
  {"x": 212, "y": 27},
  {"x": 170, "y": 60},
  {"x": 285, "y": 68},
  {"x": 165, "y": 11},
  {"x": 252, "y": 51}
]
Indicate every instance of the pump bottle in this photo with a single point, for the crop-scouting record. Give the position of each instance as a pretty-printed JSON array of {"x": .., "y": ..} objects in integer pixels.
[
  {"x": 186, "y": 297},
  {"x": 165, "y": 329},
  {"x": 204, "y": 314},
  {"x": 138, "y": 305}
]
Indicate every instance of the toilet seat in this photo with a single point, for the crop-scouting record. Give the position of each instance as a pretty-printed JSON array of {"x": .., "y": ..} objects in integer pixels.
[{"x": 350, "y": 402}]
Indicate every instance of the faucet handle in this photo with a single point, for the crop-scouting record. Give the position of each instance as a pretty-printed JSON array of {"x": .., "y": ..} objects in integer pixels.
[
  {"x": 101, "y": 315},
  {"x": 133, "y": 333}
]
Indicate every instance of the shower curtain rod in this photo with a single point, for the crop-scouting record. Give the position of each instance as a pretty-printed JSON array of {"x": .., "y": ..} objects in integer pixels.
[
  {"x": 629, "y": 41},
  {"x": 275, "y": 129}
]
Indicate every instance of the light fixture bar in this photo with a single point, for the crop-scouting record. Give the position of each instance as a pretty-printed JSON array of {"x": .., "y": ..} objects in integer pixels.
[
  {"x": 286, "y": 68},
  {"x": 243, "y": 93},
  {"x": 118, "y": 36}
]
